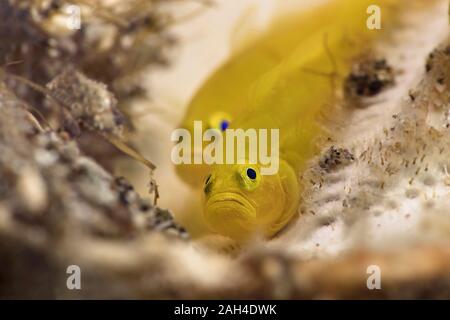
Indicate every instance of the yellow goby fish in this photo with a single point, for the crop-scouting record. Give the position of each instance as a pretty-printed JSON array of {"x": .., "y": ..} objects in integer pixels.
[
  {"x": 239, "y": 202},
  {"x": 224, "y": 95}
]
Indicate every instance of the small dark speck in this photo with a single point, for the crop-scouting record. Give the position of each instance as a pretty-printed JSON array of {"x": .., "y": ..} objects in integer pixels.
[{"x": 144, "y": 206}]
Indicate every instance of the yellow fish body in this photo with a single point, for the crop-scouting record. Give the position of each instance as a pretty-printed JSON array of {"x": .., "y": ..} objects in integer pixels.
[
  {"x": 225, "y": 95},
  {"x": 239, "y": 202}
]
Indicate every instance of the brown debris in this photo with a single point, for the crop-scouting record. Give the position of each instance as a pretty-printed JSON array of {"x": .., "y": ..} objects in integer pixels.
[
  {"x": 89, "y": 103},
  {"x": 368, "y": 78},
  {"x": 335, "y": 158},
  {"x": 50, "y": 191},
  {"x": 115, "y": 44}
]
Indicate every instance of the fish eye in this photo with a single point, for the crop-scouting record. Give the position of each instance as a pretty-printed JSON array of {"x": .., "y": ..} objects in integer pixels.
[
  {"x": 251, "y": 173},
  {"x": 224, "y": 124},
  {"x": 250, "y": 178},
  {"x": 219, "y": 121}
]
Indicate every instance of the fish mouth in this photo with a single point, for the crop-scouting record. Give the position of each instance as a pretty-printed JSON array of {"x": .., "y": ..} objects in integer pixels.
[
  {"x": 229, "y": 213},
  {"x": 229, "y": 197}
]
